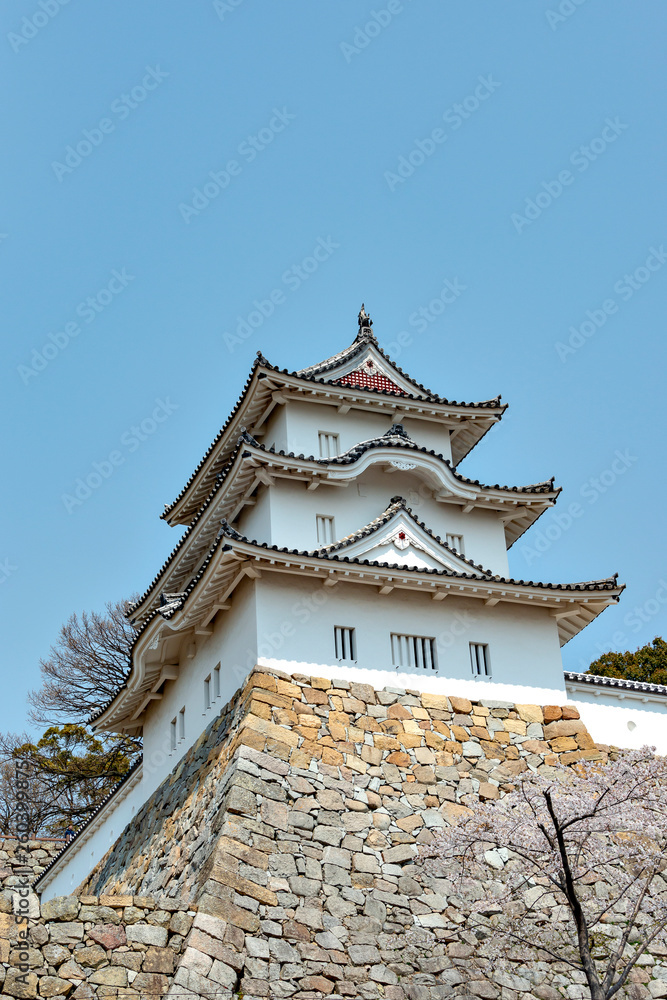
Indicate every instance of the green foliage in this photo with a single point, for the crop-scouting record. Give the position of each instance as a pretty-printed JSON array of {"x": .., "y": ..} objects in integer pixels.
[
  {"x": 76, "y": 770},
  {"x": 648, "y": 663}
]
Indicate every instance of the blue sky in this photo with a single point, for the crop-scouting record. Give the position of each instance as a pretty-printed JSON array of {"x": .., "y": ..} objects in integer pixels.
[{"x": 165, "y": 165}]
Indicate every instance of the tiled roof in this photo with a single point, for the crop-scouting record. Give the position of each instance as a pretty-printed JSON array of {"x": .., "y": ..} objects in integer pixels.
[
  {"x": 244, "y": 439},
  {"x": 395, "y": 437},
  {"x": 363, "y": 338},
  {"x": 397, "y": 503},
  {"x": 309, "y": 375},
  {"x": 335, "y": 554},
  {"x": 597, "y": 680}
]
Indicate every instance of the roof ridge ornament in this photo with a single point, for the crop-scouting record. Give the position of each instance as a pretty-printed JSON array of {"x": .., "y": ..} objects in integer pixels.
[
  {"x": 397, "y": 430},
  {"x": 365, "y": 324}
]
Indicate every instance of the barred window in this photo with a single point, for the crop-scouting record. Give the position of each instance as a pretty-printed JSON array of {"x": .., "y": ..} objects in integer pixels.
[
  {"x": 456, "y": 542},
  {"x": 345, "y": 644},
  {"x": 329, "y": 444},
  {"x": 413, "y": 651},
  {"x": 173, "y": 734},
  {"x": 181, "y": 724},
  {"x": 325, "y": 529},
  {"x": 216, "y": 682},
  {"x": 479, "y": 659},
  {"x": 207, "y": 693}
]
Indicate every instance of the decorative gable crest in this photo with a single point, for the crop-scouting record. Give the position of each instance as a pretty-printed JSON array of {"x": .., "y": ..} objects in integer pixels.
[
  {"x": 397, "y": 538},
  {"x": 369, "y": 375}
]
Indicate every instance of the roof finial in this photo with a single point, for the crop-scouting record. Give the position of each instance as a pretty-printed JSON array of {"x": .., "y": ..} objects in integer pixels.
[{"x": 365, "y": 322}]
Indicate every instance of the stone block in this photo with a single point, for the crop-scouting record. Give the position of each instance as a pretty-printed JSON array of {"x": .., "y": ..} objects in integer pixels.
[
  {"x": 552, "y": 713},
  {"x": 337, "y": 856},
  {"x": 397, "y": 855},
  {"x": 364, "y": 954},
  {"x": 424, "y": 774},
  {"x": 223, "y": 974},
  {"x": 563, "y": 728},
  {"x": 109, "y": 936},
  {"x": 570, "y": 712},
  {"x": 317, "y": 985},
  {"x": 55, "y": 954},
  {"x": 274, "y": 814},
  {"x": 18, "y": 984},
  {"x": 91, "y": 957},
  {"x": 99, "y": 914},
  {"x": 66, "y": 932},
  {"x": 71, "y": 970},
  {"x": 111, "y": 975},
  {"x": 117, "y": 900},
  {"x": 159, "y": 960},
  {"x": 147, "y": 934},
  {"x": 302, "y": 886},
  {"x": 244, "y": 886},
  {"x": 61, "y": 908},
  {"x": 459, "y": 705},
  {"x": 242, "y": 801},
  {"x": 150, "y": 984},
  {"x": 530, "y": 713},
  {"x": 562, "y": 744}
]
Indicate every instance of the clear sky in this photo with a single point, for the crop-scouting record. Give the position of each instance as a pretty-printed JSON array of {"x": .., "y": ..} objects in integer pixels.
[{"x": 166, "y": 165}]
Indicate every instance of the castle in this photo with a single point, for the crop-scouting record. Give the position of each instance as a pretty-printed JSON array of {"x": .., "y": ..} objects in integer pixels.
[{"x": 329, "y": 533}]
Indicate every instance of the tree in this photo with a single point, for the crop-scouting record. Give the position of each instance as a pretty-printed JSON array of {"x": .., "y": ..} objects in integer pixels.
[
  {"x": 86, "y": 666},
  {"x": 71, "y": 769},
  {"x": 22, "y": 796},
  {"x": 576, "y": 860},
  {"x": 648, "y": 663}
]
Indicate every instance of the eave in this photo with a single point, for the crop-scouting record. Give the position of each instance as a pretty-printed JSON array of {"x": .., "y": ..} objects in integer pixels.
[
  {"x": 233, "y": 558},
  {"x": 251, "y": 466},
  {"x": 617, "y": 687},
  {"x": 268, "y": 387}
]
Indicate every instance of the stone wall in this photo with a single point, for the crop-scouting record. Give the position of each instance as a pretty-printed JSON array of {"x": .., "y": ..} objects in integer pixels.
[
  {"x": 89, "y": 946},
  {"x": 26, "y": 860},
  {"x": 290, "y": 830}
]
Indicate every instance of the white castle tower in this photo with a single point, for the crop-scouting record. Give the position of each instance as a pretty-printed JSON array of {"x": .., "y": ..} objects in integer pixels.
[{"x": 329, "y": 533}]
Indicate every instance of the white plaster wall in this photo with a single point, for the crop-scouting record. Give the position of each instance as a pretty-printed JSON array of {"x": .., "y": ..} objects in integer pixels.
[
  {"x": 233, "y": 644},
  {"x": 304, "y": 420},
  {"x": 296, "y": 623},
  {"x": 621, "y": 719},
  {"x": 294, "y": 510},
  {"x": 93, "y": 844},
  {"x": 255, "y": 521},
  {"x": 274, "y": 430}
]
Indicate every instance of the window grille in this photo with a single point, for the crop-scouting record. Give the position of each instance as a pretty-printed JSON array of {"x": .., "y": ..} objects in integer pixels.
[
  {"x": 325, "y": 529},
  {"x": 413, "y": 651},
  {"x": 479, "y": 659},
  {"x": 329, "y": 444},
  {"x": 456, "y": 542},
  {"x": 216, "y": 682},
  {"x": 207, "y": 693},
  {"x": 345, "y": 644}
]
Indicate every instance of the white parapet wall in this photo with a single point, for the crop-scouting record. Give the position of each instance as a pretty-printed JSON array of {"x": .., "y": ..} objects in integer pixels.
[
  {"x": 621, "y": 713},
  {"x": 78, "y": 859}
]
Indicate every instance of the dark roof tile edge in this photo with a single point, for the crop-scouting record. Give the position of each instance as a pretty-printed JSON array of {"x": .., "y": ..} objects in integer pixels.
[{"x": 598, "y": 680}]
